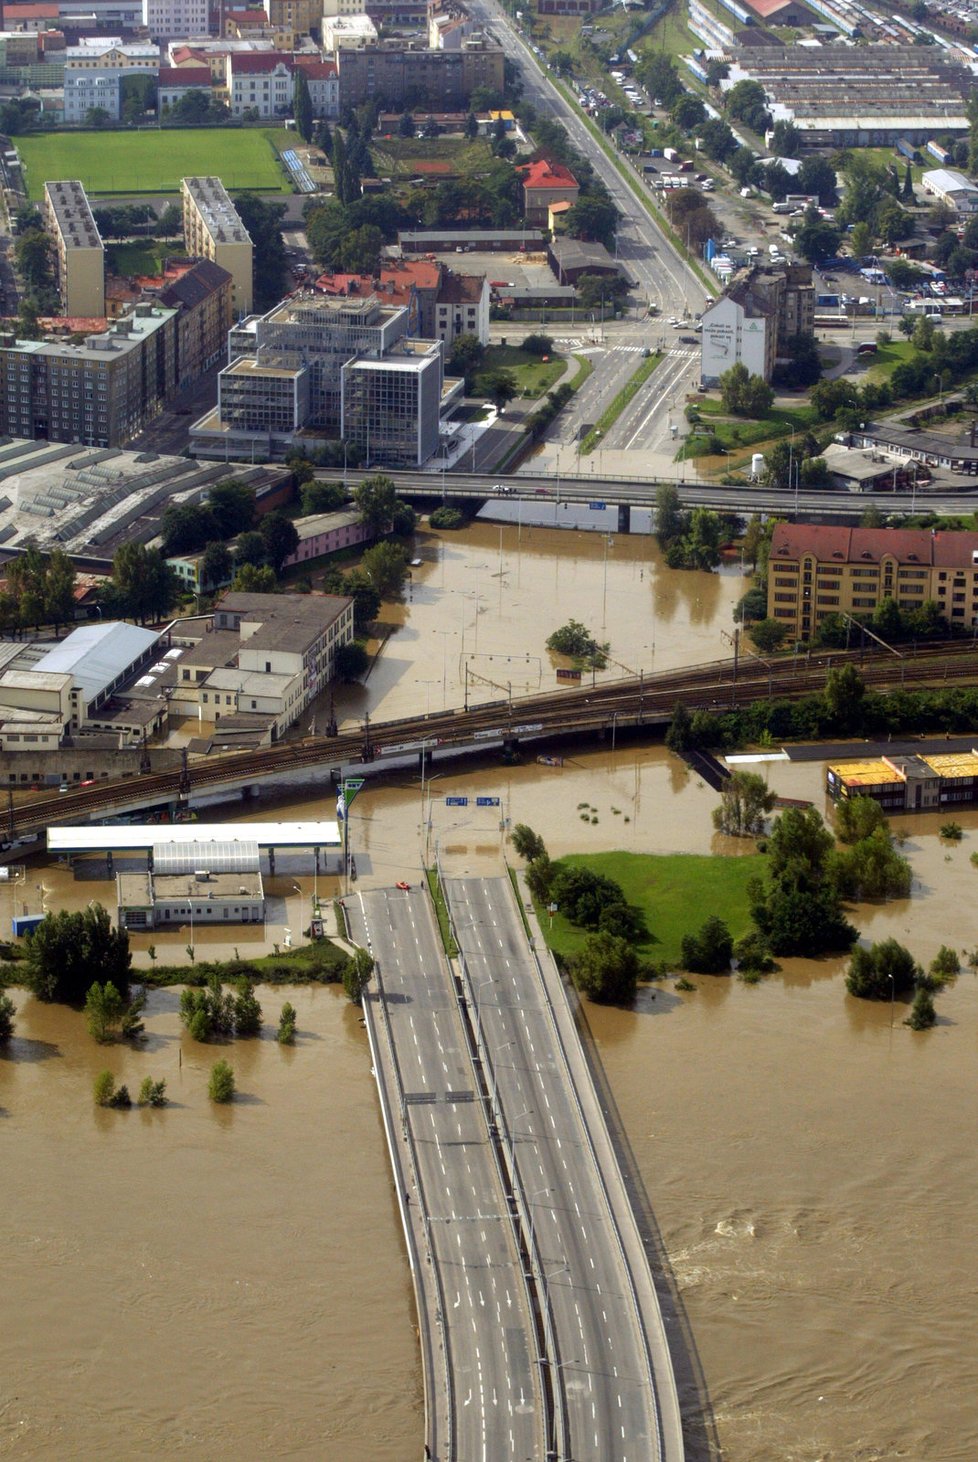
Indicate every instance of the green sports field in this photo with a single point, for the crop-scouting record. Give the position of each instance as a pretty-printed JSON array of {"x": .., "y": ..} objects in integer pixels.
[{"x": 125, "y": 163}]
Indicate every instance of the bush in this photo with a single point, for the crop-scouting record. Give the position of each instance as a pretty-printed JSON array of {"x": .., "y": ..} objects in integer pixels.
[
  {"x": 152, "y": 1093},
  {"x": 7, "y": 1012},
  {"x": 882, "y": 972},
  {"x": 752, "y": 955},
  {"x": 104, "y": 1089},
  {"x": 952, "y": 832},
  {"x": 922, "y": 1013},
  {"x": 708, "y": 952},
  {"x": 247, "y": 1011},
  {"x": 538, "y": 344},
  {"x": 575, "y": 640},
  {"x": 220, "y": 1087},
  {"x": 945, "y": 966},
  {"x": 447, "y": 518},
  {"x": 286, "y": 1026}
]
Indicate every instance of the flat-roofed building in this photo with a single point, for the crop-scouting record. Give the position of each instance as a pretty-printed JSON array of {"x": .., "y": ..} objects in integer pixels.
[
  {"x": 951, "y": 188},
  {"x": 391, "y": 406},
  {"x": 101, "y": 392},
  {"x": 81, "y": 255},
  {"x": 920, "y": 782},
  {"x": 212, "y": 229},
  {"x": 193, "y": 883},
  {"x": 816, "y": 570}
]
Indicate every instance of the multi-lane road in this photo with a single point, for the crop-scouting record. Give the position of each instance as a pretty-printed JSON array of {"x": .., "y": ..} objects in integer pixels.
[
  {"x": 607, "y": 1351},
  {"x": 483, "y": 1374}
]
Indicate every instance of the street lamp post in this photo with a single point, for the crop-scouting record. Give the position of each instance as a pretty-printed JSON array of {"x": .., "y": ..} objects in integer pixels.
[{"x": 298, "y": 890}]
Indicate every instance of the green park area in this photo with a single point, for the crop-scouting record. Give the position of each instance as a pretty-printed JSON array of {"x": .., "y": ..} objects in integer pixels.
[
  {"x": 129, "y": 163},
  {"x": 532, "y": 374},
  {"x": 144, "y": 257},
  {"x": 713, "y": 431},
  {"x": 674, "y": 893}
]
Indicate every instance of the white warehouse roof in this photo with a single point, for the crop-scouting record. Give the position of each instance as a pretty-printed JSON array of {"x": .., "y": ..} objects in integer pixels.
[
  {"x": 944, "y": 180},
  {"x": 95, "y": 655},
  {"x": 133, "y": 837}
]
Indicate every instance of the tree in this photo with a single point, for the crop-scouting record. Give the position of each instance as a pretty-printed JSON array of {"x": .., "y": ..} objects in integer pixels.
[
  {"x": 688, "y": 112},
  {"x": 465, "y": 356},
  {"x": 745, "y": 800},
  {"x": 786, "y": 139},
  {"x": 302, "y": 106},
  {"x": 945, "y": 966},
  {"x": 59, "y": 589},
  {"x": 232, "y": 504},
  {"x": 817, "y": 239},
  {"x": 844, "y": 693},
  {"x": 606, "y": 969},
  {"x": 220, "y": 1087},
  {"x": 152, "y": 1093},
  {"x": 322, "y": 497},
  {"x": 385, "y": 565},
  {"x": 679, "y": 734},
  {"x": 597, "y": 291},
  {"x": 718, "y": 140},
  {"x": 286, "y": 1025},
  {"x": 538, "y": 344},
  {"x": 250, "y": 547},
  {"x": 366, "y": 600},
  {"x": 816, "y": 177},
  {"x": 7, "y": 1013},
  {"x": 800, "y": 911},
  {"x": 922, "y": 1013},
  {"x": 857, "y": 818},
  {"x": 216, "y": 567},
  {"x": 576, "y": 640},
  {"x": 104, "y": 1089},
  {"x": 247, "y": 1011},
  {"x": 670, "y": 520},
  {"x": 376, "y": 499},
  {"x": 500, "y": 387},
  {"x": 66, "y": 948},
  {"x": 356, "y": 975},
  {"x": 768, "y": 634},
  {"x": 527, "y": 843},
  {"x": 280, "y": 538},
  {"x": 263, "y": 222},
  {"x": 359, "y": 253},
  {"x": 743, "y": 394},
  {"x": 746, "y": 102},
  {"x": 882, "y": 971},
  {"x": 351, "y": 661},
  {"x": 872, "y": 868},
  {"x": 97, "y": 117},
  {"x": 188, "y": 528},
  {"x": 472, "y": 124},
  {"x": 709, "y": 952},
  {"x": 252, "y": 579},
  {"x": 171, "y": 222},
  {"x": 103, "y": 1011}
]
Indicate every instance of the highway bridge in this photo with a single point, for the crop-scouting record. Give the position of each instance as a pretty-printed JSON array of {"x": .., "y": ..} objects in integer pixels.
[
  {"x": 625, "y": 493},
  {"x": 540, "y": 1328},
  {"x": 646, "y": 700}
]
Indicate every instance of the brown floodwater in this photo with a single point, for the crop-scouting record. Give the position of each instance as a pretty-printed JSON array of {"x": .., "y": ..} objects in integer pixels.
[
  {"x": 202, "y": 1282},
  {"x": 209, "y": 1283},
  {"x": 486, "y": 601}
]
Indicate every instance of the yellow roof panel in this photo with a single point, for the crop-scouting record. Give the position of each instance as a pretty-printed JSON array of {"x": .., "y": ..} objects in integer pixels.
[
  {"x": 864, "y": 773},
  {"x": 954, "y": 764}
]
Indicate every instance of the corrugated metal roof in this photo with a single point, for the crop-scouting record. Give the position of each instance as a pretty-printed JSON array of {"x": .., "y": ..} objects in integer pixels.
[
  {"x": 96, "y": 654},
  {"x": 132, "y": 837}
]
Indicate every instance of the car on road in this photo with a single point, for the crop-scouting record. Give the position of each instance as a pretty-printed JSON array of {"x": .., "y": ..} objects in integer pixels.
[
  {"x": 688, "y": 340},
  {"x": 404, "y": 887}
]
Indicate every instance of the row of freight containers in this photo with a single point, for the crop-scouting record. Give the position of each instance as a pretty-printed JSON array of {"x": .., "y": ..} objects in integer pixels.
[{"x": 912, "y": 154}]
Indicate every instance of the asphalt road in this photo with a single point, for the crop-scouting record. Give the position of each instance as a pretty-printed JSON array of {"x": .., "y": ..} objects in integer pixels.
[
  {"x": 599, "y": 1356},
  {"x": 663, "y": 277},
  {"x": 468, "y": 1227}
]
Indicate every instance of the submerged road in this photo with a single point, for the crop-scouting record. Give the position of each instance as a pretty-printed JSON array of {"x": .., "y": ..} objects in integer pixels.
[
  {"x": 483, "y": 1377},
  {"x": 607, "y": 1351}
]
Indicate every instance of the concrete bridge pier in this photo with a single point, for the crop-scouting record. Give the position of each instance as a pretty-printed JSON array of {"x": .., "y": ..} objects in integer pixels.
[
  {"x": 271, "y": 861},
  {"x": 624, "y": 518}
]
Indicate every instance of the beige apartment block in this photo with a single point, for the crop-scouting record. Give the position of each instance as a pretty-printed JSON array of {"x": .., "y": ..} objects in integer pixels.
[
  {"x": 81, "y": 256},
  {"x": 213, "y": 230}
]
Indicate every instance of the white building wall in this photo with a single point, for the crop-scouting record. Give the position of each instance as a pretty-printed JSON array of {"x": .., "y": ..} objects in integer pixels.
[
  {"x": 729, "y": 337},
  {"x": 172, "y": 19}
]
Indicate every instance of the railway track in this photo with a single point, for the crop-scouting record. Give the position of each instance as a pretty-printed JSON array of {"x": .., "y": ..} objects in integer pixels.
[{"x": 718, "y": 685}]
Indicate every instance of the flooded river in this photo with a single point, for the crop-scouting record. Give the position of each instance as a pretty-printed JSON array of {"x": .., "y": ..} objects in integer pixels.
[{"x": 210, "y": 1283}]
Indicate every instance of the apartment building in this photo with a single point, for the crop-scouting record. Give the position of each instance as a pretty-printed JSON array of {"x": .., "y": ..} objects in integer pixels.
[
  {"x": 165, "y": 20},
  {"x": 81, "y": 256},
  {"x": 751, "y": 323},
  {"x": 444, "y": 80},
  {"x": 203, "y": 298},
  {"x": 93, "y": 72},
  {"x": 298, "y": 16},
  {"x": 815, "y": 570},
  {"x": 261, "y": 83},
  {"x": 390, "y": 406},
  {"x": 213, "y": 230},
  {"x": 545, "y": 183},
  {"x": 101, "y": 392},
  {"x": 323, "y": 81},
  {"x": 914, "y": 783}
]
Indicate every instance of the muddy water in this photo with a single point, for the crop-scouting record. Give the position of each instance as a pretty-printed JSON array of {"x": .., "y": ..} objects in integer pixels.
[
  {"x": 202, "y": 1282},
  {"x": 486, "y": 602}
]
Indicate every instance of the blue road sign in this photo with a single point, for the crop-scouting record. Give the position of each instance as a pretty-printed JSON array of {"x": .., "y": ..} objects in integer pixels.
[
  {"x": 597, "y": 506},
  {"x": 487, "y": 802},
  {"x": 456, "y": 802}
]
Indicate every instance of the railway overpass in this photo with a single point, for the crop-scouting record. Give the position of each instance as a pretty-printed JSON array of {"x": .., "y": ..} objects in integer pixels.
[
  {"x": 642, "y": 702},
  {"x": 626, "y": 493}
]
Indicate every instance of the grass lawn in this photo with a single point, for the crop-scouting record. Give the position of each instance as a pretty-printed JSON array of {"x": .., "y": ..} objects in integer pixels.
[
  {"x": 737, "y": 432},
  {"x": 398, "y": 157},
  {"x": 888, "y": 357},
  {"x": 670, "y": 35},
  {"x": 676, "y": 892},
  {"x": 139, "y": 258},
  {"x": 533, "y": 376},
  {"x": 154, "y": 162}
]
